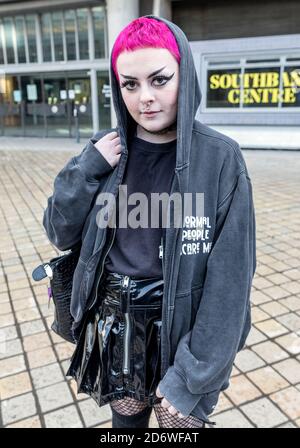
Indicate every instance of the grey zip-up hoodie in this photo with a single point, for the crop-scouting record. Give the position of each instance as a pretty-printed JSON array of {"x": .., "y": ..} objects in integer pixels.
[{"x": 208, "y": 263}]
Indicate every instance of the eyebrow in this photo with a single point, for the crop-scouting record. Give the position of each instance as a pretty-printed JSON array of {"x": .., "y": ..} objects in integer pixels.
[{"x": 152, "y": 74}]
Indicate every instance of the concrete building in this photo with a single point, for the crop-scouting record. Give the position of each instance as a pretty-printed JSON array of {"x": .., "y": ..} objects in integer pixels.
[{"x": 54, "y": 64}]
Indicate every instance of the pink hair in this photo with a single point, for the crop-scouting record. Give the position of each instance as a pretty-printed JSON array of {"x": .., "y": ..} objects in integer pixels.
[{"x": 144, "y": 33}]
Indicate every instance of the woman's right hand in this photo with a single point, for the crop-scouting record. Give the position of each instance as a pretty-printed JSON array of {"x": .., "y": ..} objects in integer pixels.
[{"x": 110, "y": 148}]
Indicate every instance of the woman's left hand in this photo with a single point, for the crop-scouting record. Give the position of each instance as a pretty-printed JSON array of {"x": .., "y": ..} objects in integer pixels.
[{"x": 165, "y": 404}]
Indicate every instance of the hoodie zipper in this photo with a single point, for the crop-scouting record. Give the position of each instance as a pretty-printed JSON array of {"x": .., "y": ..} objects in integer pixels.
[
  {"x": 161, "y": 256},
  {"x": 102, "y": 267}
]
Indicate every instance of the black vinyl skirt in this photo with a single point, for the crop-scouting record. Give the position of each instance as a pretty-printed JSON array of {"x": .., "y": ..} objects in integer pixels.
[{"x": 118, "y": 351}]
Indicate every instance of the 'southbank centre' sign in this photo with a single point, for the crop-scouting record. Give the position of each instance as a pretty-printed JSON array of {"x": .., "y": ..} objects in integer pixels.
[{"x": 261, "y": 87}]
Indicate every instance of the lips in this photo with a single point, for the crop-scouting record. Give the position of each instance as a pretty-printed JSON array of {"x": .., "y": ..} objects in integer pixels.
[{"x": 151, "y": 113}]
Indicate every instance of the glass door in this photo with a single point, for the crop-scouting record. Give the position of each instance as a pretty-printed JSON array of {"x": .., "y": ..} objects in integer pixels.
[
  {"x": 57, "y": 107},
  {"x": 79, "y": 93},
  {"x": 34, "y": 105},
  {"x": 104, "y": 100},
  {"x": 11, "y": 122}
]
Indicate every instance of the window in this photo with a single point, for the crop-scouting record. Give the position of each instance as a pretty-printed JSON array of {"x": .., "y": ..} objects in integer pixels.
[
  {"x": 31, "y": 37},
  {"x": 70, "y": 34},
  {"x": 99, "y": 32},
  {"x": 57, "y": 25},
  {"x": 8, "y": 33},
  {"x": 64, "y": 34},
  {"x": 20, "y": 33},
  {"x": 46, "y": 37},
  {"x": 2, "y": 44},
  {"x": 83, "y": 33}
]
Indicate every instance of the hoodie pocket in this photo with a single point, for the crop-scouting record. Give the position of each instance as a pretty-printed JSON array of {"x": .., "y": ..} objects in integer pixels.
[
  {"x": 197, "y": 292},
  {"x": 181, "y": 317},
  {"x": 246, "y": 329}
]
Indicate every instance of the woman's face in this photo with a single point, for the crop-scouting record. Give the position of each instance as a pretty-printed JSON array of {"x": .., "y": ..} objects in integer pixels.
[{"x": 142, "y": 90}]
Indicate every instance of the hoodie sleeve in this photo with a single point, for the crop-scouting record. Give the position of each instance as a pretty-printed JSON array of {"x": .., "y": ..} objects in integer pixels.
[
  {"x": 74, "y": 189},
  {"x": 205, "y": 355}
]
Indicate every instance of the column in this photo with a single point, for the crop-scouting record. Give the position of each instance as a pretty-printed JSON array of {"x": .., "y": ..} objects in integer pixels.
[{"x": 119, "y": 14}]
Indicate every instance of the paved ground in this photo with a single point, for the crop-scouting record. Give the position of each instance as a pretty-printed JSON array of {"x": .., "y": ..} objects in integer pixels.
[{"x": 265, "y": 384}]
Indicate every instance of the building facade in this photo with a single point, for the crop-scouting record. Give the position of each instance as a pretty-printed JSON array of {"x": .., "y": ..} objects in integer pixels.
[
  {"x": 54, "y": 61},
  {"x": 54, "y": 66}
]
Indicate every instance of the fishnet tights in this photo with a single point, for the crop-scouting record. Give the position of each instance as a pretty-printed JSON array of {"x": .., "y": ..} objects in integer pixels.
[{"x": 130, "y": 406}]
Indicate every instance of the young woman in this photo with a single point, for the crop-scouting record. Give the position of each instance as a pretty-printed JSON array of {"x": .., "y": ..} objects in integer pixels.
[{"x": 159, "y": 311}]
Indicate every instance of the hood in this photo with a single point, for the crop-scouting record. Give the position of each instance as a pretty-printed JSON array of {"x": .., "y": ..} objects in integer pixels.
[{"x": 189, "y": 97}]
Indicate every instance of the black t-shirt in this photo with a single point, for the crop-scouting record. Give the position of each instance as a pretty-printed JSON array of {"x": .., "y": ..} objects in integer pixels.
[{"x": 150, "y": 169}]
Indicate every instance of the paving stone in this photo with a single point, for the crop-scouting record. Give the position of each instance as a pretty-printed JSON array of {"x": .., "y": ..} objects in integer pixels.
[
  {"x": 271, "y": 328},
  {"x": 109, "y": 424},
  {"x": 13, "y": 385},
  {"x": 292, "y": 287},
  {"x": 255, "y": 336},
  {"x": 18, "y": 408},
  {"x": 55, "y": 338},
  {"x": 292, "y": 303},
  {"x": 8, "y": 333},
  {"x": 262, "y": 269},
  {"x": 289, "y": 401},
  {"x": 46, "y": 311},
  {"x": 41, "y": 357},
  {"x": 258, "y": 297},
  {"x": 291, "y": 321},
  {"x": 290, "y": 342},
  {"x": 261, "y": 282},
  {"x": 288, "y": 425},
  {"x": 93, "y": 414},
  {"x": 280, "y": 266},
  {"x": 267, "y": 380},
  {"x": 257, "y": 315},
  {"x": 276, "y": 292},
  {"x": 290, "y": 369},
  {"x": 293, "y": 274},
  {"x": 270, "y": 351},
  {"x": 64, "y": 350},
  {"x": 67, "y": 417},
  {"x": 65, "y": 365},
  {"x": 10, "y": 366},
  {"x": 263, "y": 413},
  {"x": 32, "y": 327},
  {"x": 235, "y": 371},
  {"x": 10, "y": 348},
  {"x": 241, "y": 390},
  {"x": 277, "y": 278},
  {"x": 35, "y": 341},
  {"x": 27, "y": 315},
  {"x": 5, "y": 308},
  {"x": 46, "y": 375},
  {"x": 19, "y": 284},
  {"x": 6, "y": 320},
  {"x": 55, "y": 396},
  {"x": 24, "y": 304},
  {"x": 4, "y": 297},
  {"x": 246, "y": 360},
  {"x": 274, "y": 308},
  {"x": 222, "y": 405},
  {"x": 232, "y": 419},
  {"x": 32, "y": 422}
]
